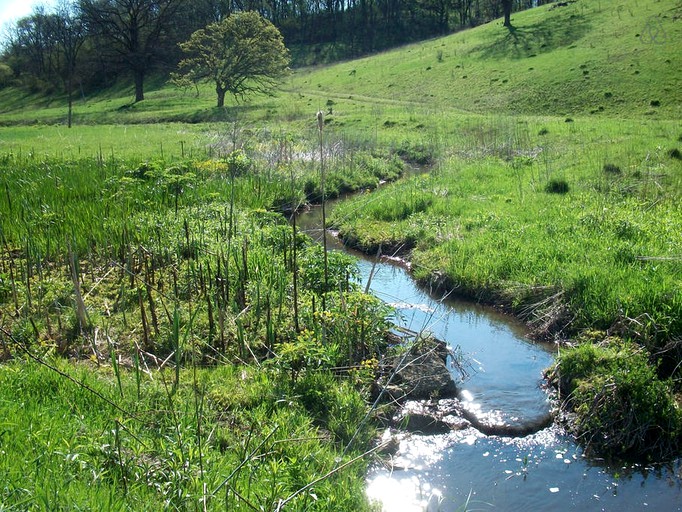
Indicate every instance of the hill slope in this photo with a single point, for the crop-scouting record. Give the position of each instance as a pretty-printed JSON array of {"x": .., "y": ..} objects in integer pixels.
[
  {"x": 582, "y": 57},
  {"x": 570, "y": 58}
]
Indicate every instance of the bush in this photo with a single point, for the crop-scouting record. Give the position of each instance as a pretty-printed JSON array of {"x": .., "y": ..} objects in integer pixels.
[
  {"x": 556, "y": 186},
  {"x": 621, "y": 408},
  {"x": 418, "y": 154}
]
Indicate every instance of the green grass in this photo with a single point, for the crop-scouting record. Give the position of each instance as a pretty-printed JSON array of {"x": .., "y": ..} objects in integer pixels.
[
  {"x": 178, "y": 263},
  {"x": 117, "y": 141},
  {"x": 227, "y": 437},
  {"x": 589, "y": 58},
  {"x": 622, "y": 409},
  {"x": 608, "y": 245}
]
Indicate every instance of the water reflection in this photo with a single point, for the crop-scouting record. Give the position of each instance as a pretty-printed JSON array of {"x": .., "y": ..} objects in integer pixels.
[{"x": 545, "y": 471}]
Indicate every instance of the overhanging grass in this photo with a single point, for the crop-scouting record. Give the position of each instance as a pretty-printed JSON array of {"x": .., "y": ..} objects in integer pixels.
[{"x": 622, "y": 409}]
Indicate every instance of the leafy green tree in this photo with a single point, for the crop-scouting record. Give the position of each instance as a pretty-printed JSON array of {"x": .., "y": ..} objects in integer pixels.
[{"x": 242, "y": 54}]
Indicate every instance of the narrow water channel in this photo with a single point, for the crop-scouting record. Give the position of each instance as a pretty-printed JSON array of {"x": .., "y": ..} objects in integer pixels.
[{"x": 467, "y": 470}]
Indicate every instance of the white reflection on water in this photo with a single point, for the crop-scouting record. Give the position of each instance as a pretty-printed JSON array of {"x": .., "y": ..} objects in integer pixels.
[
  {"x": 406, "y": 487},
  {"x": 414, "y": 484},
  {"x": 409, "y": 494}
]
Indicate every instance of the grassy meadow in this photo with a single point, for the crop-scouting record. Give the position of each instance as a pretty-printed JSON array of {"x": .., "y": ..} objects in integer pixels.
[
  {"x": 170, "y": 342},
  {"x": 157, "y": 313}
]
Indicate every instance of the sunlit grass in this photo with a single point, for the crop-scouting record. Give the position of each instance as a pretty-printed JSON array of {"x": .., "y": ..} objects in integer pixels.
[{"x": 484, "y": 217}]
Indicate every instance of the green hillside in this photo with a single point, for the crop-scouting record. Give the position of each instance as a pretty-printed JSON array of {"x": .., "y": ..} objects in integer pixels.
[{"x": 588, "y": 57}]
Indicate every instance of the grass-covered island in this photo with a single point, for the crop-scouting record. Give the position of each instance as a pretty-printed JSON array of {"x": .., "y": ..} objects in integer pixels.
[{"x": 169, "y": 341}]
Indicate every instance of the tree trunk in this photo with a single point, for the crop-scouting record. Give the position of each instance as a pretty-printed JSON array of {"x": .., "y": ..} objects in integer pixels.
[
  {"x": 70, "y": 99},
  {"x": 221, "y": 96},
  {"x": 139, "y": 85},
  {"x": 70, "y": 114},
  {"x": 507, "y": 6}
]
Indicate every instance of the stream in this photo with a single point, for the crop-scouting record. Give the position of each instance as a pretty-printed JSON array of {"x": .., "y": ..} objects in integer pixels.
[{"x": 467, "y": 470}]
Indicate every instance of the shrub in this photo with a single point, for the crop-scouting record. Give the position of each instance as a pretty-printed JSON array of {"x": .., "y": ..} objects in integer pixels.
[
  {"x": 675, "y": 153},
  {"x": 556, "y": 186},
  {"x": 5, "y": 75},
  {"x": 416, "y": 153},
  {"x": 342, "y": 270}
]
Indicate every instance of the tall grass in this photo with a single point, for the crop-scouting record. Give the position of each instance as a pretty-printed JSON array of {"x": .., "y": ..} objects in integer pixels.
[
  {"x": 66, "y": 448},
  {"x": 154, "y": 268},
  {"x": 604, "y": 251}
]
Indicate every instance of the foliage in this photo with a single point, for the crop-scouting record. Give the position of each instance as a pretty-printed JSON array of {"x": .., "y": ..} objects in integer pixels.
[
  {"x": 602, "y": 256},
  {"x": 179, "y": 264},
  {"x": 341, "y": 267},
  {"x": 243, "y": 54},
  {"x": 557, "y": 186},
  {"x": 492, "y": 70}
]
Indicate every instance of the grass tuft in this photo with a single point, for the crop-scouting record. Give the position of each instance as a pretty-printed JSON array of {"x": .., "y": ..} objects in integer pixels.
[
  {"x": 612, "y": 169},
  {"x": 557, "y": 186}
]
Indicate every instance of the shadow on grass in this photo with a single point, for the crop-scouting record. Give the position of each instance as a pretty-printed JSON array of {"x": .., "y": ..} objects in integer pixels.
[{"x": 527, "y": 41}]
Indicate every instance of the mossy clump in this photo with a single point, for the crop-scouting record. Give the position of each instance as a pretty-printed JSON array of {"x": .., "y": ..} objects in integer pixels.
[
  {"x": 419, "y": 154},
  {"x": 619, "y": 405}
]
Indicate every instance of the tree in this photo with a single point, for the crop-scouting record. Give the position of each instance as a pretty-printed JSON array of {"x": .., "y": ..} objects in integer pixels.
[
  {"x": 69, "y": 33},
  {"x": 32, "y": 49},
  {"x": 242, "y": 54},
  {"x": 507, "y": 8},
  {"x": 133, "y": 30}
]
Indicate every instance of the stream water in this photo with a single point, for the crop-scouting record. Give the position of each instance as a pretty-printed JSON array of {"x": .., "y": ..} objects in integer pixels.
[{"x": 466, "y": 470}]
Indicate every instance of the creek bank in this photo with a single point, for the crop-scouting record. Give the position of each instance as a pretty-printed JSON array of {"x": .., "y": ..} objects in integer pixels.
[{"x": 543, "y": 310}]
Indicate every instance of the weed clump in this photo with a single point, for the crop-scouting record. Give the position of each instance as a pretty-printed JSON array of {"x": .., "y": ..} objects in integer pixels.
[
  {"x": 675, "y": 153},
  {"x": 612, "y": 169},
  {"x": 620, "y": 407},
  {"x": 557, "y": 186}
]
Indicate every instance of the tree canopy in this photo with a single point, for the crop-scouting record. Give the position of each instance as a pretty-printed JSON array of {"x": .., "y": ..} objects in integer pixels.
[
  {"x": 132, "y": 30},
  {"x": 242, "y": 54}
]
